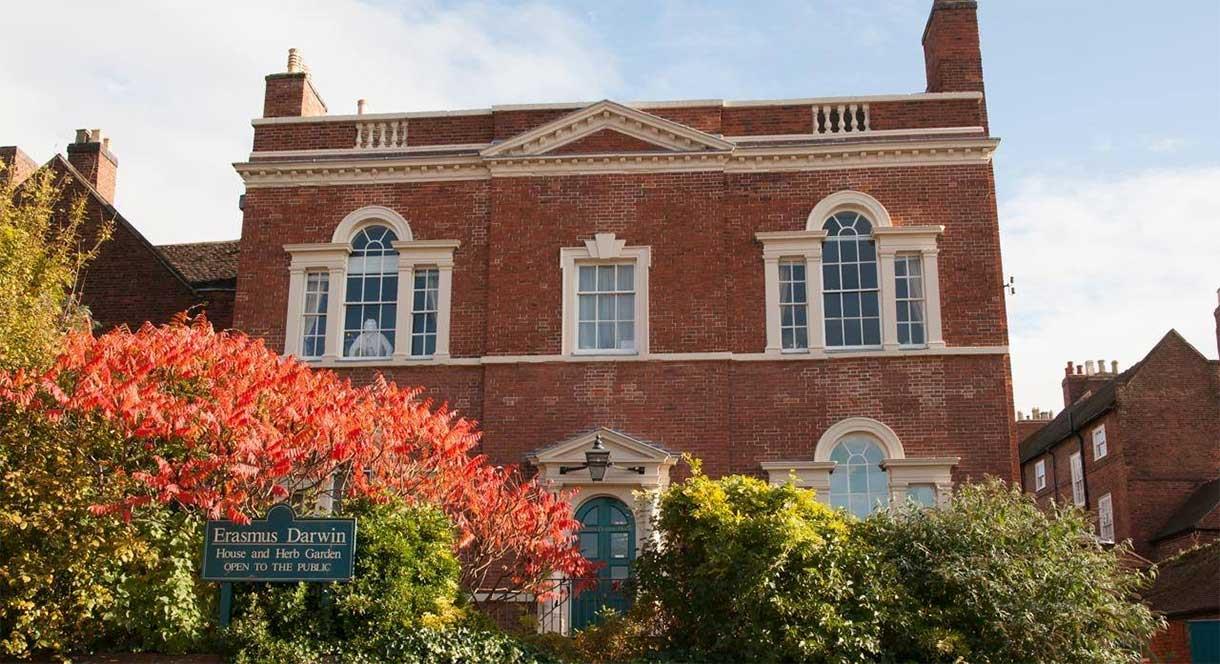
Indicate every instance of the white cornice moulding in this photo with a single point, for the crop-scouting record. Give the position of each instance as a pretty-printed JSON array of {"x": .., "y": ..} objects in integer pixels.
[{"x": 938, "y": 152}]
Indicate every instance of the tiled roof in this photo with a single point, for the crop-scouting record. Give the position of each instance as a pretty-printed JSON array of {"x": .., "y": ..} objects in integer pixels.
[
  {"x": 1075, "y": 416},
  {"x": 205, "y": 264},
  {"x": 1200, "y": 503},
  {"x": 1188, "y": 584}
]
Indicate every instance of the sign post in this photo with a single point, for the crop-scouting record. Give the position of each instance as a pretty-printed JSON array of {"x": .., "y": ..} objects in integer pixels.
[{"x": 278, "y": 549}]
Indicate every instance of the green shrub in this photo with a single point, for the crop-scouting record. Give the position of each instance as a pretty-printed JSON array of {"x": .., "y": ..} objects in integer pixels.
[
  {"x": 752, "y": 572},
  {"x": 73, "y": 582},
  {"x": 995, "y": 579},
  {"x": 405, "y": 578}
]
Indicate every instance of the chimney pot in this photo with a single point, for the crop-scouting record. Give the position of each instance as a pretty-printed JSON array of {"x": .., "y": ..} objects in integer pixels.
[
  {"x": 295, "y": 64},
  {"x": 360, "y": 104},
  {"x": 1114, "y": 366},
  {"x": 1020, "y": 416},
  {"x": 1088, "y": 368},
  {"x": 1101, "y": 366}
]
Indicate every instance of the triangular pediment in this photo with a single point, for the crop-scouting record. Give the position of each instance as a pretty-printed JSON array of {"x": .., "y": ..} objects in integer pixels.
[
  {"x": 624, "y": 449},
  {"x": 608, "y": 128}
]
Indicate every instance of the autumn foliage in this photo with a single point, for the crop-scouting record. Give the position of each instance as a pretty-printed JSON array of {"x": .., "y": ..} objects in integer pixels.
[{"x": 230, "y": 428}]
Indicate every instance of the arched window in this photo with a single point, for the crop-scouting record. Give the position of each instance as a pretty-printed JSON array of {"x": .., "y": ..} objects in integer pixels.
[
  {"x": 372, "y": 294},
  {"x": 858, "y": 483},
  {"x": 851, "y": 300}
]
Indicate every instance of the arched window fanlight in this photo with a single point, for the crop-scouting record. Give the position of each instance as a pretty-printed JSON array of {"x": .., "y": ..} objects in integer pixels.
[
  {"x": 858, "y": 484},
  {"x": 851, "y": 298},
  {"x": 372, "y": 294}
]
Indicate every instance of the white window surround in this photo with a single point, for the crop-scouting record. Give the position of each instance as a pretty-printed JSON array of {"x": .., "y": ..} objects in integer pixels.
[
  {"x": 332, "y": 257},
  {"x": 903, "y": 471},
  {"x": 890, "y": 241},
  {"x": 1040, "y": 475},
  {"x": 1105, "y": 519},
  {"x": 1077, "y": 466},
  {"x": 604, "y": 248},
  {"x": 1100, "y": 447}
]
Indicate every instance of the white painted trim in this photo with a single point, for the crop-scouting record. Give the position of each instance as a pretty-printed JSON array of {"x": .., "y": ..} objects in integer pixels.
[
  {"x": 779, "y": 245},
  {"x": 881, "y": 433},
  {"x": 905, "y": 473},
  {"x": 424, "y": 253},
  {"x": 805, "y": 474},
  {"x": 855, "y": 201},
  {"x": 331, "y": 258},
  {"x": 767, "y": 159},
  {"x": 607, "y": 115},
  {"x": 692, "y": 103},
  {"x": 367, "y": 216},
  {"x": 604, "y": 248},
  {"x": 716, "y": 356}
]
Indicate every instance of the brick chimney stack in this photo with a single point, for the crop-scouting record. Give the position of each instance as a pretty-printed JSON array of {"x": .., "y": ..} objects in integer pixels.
[
  {"x": 17, "y": 165},
  {"x": 951, "y": 52},
  {"x": 90, "y": 154},
  {"x": 1082, "y": 379},
  {"x": 291, "y": 93}
]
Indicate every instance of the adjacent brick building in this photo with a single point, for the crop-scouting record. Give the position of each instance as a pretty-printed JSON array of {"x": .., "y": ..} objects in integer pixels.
[
  {"x": 171, "y": 279},
  {"x": 1140, "y": 450},
  {"x": 808, "y": 286}
]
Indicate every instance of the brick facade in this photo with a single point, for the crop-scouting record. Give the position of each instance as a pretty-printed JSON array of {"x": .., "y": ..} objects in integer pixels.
[{"x": 706, "y": 387}]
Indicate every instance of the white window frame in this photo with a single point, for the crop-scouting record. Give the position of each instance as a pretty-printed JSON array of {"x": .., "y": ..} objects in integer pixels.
[
  {"x": 603, "y": 249},
  {"x": 1040, "y": 475},
  {"x": 332, "y": 257},
  {"x": 890, "y": 241},
  {"x": 903, "y": 471},
  {"x": 922, "y": 301},
  {"x": 1100, "y": 446},
  {"x": 1105, "y": 519},
  {"x": 1076, "y": 461}
]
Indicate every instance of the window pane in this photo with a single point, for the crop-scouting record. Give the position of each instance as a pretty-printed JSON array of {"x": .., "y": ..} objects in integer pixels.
[
  {"x": 626, "y": 307},
  {"x": 588, "y": 545},
  {"x": 802, "y": 337},
  {"x": 588, "y": 335},
  {"x": 626, "y": 335},
  {"x": 588, "y": 307},
  {"x": 605, "y": 277},
  {"x": 872, "y": 331},
  {"x": 588, "y": 278},
  {"x": 618, "y": 545},
  {"x": 851, "y": 277},
  {"x": 626, "y": 277},
  {"x": 834, "y": 305},
  {"x": 868, "y": 304},
  {"x": 830, "y": 277},
  {"x": 851, "y": 333},
  {"x": 834, "y": 333},
  {"x": 605, "y": 335}
]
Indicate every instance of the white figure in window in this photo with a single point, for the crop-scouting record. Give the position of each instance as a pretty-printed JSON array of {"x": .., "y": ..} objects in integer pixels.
[{"x": 370, "y": 342}]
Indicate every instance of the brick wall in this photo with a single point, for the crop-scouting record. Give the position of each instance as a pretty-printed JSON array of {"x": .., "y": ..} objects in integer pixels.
[
  {"x": 706, "y": 296},
  {"x": 1161, "y": 439}
]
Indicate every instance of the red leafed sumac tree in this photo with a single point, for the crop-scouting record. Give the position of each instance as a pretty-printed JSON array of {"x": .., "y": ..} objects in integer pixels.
[{"x": 232, "y": 428}]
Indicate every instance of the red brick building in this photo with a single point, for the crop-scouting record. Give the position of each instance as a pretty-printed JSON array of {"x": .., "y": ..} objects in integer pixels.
[
  {"x": 1140, "y": 450},
  {"x": 171, "y": 278},
  {"x": 790, "y": 286}
]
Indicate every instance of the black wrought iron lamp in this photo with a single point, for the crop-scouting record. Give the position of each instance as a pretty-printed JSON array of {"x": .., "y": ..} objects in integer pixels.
[{"x": 597, "y": 460}]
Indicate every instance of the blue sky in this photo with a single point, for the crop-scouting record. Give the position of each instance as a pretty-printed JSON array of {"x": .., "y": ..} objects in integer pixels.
[{"x": 1108, "y": 177}]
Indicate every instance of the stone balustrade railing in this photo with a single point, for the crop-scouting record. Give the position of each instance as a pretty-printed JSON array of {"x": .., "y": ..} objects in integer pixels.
[
  {"x": 831, "y": 119},
  {"x": 381, "y": 135}
]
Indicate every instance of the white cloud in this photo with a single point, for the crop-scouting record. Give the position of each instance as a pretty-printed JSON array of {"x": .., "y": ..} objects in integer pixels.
[
  {"x": 1104, "y": 268},
  {"x": 175, "y": 84}
]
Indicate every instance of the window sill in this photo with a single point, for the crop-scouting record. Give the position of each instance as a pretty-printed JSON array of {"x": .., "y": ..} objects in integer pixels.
[{"x": 596, "y": 353}]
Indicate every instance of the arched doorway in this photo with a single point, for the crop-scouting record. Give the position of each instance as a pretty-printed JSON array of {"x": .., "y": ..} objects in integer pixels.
[{"x": 607, "y": 537}]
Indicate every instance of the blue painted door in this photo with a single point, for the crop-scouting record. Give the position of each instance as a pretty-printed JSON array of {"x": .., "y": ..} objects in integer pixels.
[
  {"x": 1204, "y": 641},
  {"x": 607, "y": 537}
]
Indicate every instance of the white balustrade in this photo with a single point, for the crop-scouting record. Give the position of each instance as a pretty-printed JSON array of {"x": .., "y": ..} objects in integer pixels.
[
  {"x": 835, "y": 119},
  {"x": 381, "y": 135}
]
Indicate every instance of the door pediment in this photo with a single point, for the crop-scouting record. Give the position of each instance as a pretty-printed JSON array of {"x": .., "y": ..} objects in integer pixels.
[
  {"x": 607, "y": 127},
  {"x": 625, "y": 452}
]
